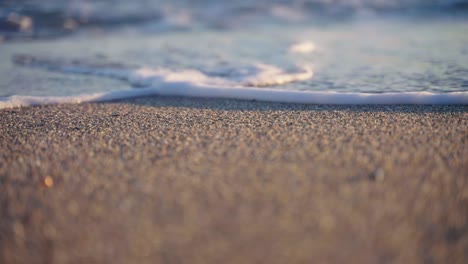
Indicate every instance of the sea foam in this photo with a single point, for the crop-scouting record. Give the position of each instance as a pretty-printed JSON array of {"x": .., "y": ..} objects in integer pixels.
[
  {"x": 249, "y": 83},
  {"x": 302, "y": 47}
]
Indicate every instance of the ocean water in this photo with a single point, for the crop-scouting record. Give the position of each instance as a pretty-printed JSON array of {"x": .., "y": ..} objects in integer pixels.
[{"x": 316, "y": 51}]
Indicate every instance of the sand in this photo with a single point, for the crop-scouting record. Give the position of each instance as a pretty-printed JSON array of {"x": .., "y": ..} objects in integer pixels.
[{"x": 180, "y": 180}]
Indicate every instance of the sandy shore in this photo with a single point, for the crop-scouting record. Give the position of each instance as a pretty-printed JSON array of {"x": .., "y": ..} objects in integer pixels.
[{"x": 179, "y": 180}]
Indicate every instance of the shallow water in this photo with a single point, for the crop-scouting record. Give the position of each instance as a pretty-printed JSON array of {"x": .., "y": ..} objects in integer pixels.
[{"x": 365, "y": 53}]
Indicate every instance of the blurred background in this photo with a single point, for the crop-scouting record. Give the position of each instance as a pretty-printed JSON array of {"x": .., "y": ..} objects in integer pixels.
[{"x": 25, "y": 19}]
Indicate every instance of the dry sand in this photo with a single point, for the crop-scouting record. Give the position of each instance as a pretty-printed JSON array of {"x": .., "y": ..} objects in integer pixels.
[{"x": 179, "y": 180}]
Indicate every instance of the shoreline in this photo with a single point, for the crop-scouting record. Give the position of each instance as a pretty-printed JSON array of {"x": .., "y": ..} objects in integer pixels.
[
  {"x": 172, "y": 179},
  {"x": 256, "y": 94}
]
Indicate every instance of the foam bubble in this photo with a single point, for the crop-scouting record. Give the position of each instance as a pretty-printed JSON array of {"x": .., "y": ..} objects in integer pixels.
[{"x": 302, "y": 47}]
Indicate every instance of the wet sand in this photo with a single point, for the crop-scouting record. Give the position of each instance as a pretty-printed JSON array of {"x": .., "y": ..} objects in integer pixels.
[{"x": 180, "y": 180}]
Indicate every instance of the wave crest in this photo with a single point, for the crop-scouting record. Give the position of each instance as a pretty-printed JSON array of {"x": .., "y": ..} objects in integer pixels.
[{"x": 224, "y": 83}]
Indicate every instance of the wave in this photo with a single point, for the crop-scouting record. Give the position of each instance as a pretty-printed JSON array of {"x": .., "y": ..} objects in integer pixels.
[
  {"x": 52, "y": 18},
  {"x": 256, "y": 75},
  {"x": 248, "y": 83},
  {"x": 257, "y": 94}
]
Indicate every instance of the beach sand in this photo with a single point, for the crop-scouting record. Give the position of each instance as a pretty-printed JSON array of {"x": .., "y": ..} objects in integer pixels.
[{"x": 184, "y": 180}]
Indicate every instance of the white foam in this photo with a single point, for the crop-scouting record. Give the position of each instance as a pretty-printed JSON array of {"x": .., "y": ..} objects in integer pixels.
[
  {"x": 268, "y": 75},
  {"x": 302, "y": 47},
  {"x": 258, "y": 74},
  {"x": 259, "y": 94},
  {"x": 229, "y": 84}
]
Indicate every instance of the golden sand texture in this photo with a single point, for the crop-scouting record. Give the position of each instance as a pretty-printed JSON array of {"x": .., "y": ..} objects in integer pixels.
[{"x": 179, "y": 180}]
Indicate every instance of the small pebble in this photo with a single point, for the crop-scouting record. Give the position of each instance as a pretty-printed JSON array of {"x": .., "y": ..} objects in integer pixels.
[
  {"x": 378, "y": 175},
  {"x": 48, "y": 182}
]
